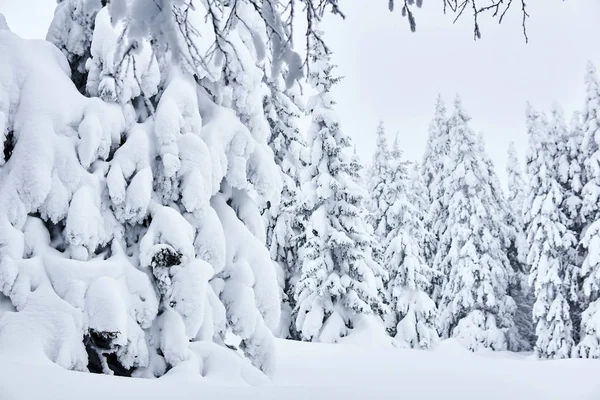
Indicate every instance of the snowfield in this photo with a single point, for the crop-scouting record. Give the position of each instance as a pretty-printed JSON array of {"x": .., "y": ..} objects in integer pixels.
[{"x": 334, "y": 371}]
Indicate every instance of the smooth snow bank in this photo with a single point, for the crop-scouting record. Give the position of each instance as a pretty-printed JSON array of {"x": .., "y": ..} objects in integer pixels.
[{"x": 335, "y": 371}]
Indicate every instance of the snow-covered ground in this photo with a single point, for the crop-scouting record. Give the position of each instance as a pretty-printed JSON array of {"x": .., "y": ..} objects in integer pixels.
[{"x": 335, "y": 371}]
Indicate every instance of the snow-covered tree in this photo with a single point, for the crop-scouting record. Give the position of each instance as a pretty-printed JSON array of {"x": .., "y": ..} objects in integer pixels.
[
  {"x": 378, "y": 178},
  {"x": 135, "y": 212},
  {"x": 589, "y": 345},
  {"x": 517, "y": 250},
  {"x": 474, "y": 307},
  {"x": 548, "y": 240},
  {"x": 432, "y": 170},
  {"x": 516, "y": 182},
  {"x": 569, "y": 168},
  {"x": 420, "y": 199},
  {"x": 283, "y": 225},
  {"x": 515, "y": 200},
  {"x": 413, "y": 315},
  {"x": 339, "y": 279},
  {"x": 512, "y": 239}
]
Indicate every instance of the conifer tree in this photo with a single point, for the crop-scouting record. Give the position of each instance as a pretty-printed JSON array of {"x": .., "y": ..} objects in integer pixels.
[
  {"x": 436, "y": 152},
  {"x": 569, "y": 169},
  {"x": 379, "y": 178},
  {"x": 517, "y": 252},
  {"x": 474, "y": 305},
  {"x": 142, "y": 209},
  {"x": 589, "y": 345},
  {"x": 511, "y": 237},
  {"x": 420, "y": 198},
  {"x": 546, "y": 229},
  {"x": 413, "y": 314},
  {"x": 284, "y": 228},
  {"x": 339, "y": 279}
]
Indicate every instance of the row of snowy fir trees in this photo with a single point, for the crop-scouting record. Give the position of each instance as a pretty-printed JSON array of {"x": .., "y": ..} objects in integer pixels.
[
  {"x": 561, "y": 217},
  {"x": 447, "y": 240},
  {"x": 463, "y": 260}
]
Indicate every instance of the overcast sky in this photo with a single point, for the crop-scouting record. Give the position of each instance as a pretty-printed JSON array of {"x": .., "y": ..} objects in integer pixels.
[{"x": 394, "y": 75}]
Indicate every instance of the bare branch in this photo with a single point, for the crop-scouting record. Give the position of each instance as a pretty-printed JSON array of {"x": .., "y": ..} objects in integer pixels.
[{"x": 498, "y": 9}]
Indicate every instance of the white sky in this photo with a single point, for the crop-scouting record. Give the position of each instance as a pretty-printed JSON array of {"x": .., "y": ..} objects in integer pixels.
[{"x": 395, "y": 75}]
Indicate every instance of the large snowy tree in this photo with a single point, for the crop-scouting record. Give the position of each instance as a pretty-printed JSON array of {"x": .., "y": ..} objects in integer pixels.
[
  {"x": 339, "y": 279},
  {"x": 134, "y": 212},
  {"x": 474, "y": 306},
  {"x": 548, "y": 240}
]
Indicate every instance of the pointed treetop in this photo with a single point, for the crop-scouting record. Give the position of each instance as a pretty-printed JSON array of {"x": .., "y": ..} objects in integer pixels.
[
  {"x": 512, "y": 161},
  {"x": 532, "y": 114},
  {"x": 459, "y": 110},
  {"x": 537, "y": 126},
  {"x": 529, "y": 110},
  {"x": 440, "y": 106},
  {"x": 381, "y": 140},
  {"x": 396, "y": 146},
  {"x": 559, "y": 125},
  {"x": 590, "y": 68}
]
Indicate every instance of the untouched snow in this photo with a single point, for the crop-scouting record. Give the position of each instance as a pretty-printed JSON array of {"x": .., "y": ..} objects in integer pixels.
[{"x": 335, "y": 371}]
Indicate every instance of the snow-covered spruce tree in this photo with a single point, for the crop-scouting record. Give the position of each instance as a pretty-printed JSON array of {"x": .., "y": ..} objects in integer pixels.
[
  {"x": 136, "y": 216},
  {"x": 283, "y": 225},
  {"x": 519, "y": 288},
  {"x": 474, "y": 307},
  {"x": 413, "y": 315},
  {"x": 589, "y": 345},
  {"x": 516, "y": 182},
  {"x": 339, "y": 279},
  {"x": 546, "y": 230},
  {"x": 420, "y": 198},
  {"x": 378, "y": 178},
  {"x": 432, "y": 170},
  {"x": 509, "y": 237},
  {"x": 569, "y": 168}
]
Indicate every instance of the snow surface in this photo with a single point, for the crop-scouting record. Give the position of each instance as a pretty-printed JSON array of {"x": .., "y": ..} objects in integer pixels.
[{"x": 334, "y": 371}]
